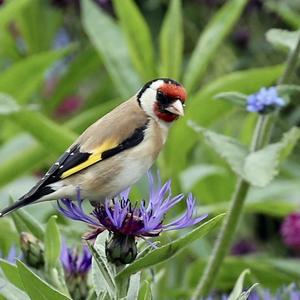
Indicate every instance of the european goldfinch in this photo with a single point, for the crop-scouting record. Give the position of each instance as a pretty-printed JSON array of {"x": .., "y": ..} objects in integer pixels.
[{"x": 115, "y": 151}]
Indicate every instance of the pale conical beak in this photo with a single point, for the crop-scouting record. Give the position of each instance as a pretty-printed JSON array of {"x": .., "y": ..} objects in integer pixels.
[{"x": 176, "y": 108}]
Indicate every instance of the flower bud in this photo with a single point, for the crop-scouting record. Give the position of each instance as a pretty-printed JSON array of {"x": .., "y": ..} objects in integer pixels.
[
  {"x": 121, "y": 249},
  {"x": 33, "y": 250}
]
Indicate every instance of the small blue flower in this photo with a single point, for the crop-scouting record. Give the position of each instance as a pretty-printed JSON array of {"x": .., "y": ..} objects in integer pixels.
[
  {"x": 73, "y": 263},
  {"x": 264, "y": 101},
  {"x": 120, "y": 216}
]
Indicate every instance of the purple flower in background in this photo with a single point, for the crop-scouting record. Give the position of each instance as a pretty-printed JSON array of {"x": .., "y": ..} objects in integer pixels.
[
  {"x": 68, "y": 106},
  {"x": 264, "y": 101},
  {"x": 12, "y": 255},
  {"x": 287, "y": 292},
  {"x": 75, "y": 264},
  {"x": 243, "y": 247},
  {"x": 290, "y": 231},
  {"x": 122, "y": 217}
]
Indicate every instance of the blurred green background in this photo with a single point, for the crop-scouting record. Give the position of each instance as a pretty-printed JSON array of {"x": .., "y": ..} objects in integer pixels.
[{"x": 64, "y": 64}]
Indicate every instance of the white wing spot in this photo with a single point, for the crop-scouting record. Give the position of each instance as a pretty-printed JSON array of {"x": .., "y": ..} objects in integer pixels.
[{"x": 57, "y": 163}]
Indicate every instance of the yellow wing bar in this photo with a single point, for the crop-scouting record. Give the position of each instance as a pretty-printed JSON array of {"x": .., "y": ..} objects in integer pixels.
[{"x": 95, "y": 157}]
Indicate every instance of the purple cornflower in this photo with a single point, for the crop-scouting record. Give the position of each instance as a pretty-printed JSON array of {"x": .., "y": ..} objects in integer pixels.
[
  {"x": 290, "y": 230},
  {"x": 75, "y": 264},
  {"x": 264, "y": 101},
  {"x": 76, "y": 268},
  {"x": 121, "y": 216},
  {"x": 126, "y": 221}
]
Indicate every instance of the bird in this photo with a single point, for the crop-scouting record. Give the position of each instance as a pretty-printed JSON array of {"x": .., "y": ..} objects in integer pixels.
[{"x": 114, "y": 152}]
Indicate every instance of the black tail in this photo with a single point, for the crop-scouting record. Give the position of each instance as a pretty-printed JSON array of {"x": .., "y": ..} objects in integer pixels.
[{"x": 33, "y": 195}]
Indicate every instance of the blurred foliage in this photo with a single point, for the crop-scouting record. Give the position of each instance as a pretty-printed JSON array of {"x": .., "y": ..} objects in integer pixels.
[{"x": 64, "y": 64}]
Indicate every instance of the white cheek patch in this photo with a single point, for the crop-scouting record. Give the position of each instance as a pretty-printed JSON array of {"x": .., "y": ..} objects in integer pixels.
[{"x": 148, "y": 98}]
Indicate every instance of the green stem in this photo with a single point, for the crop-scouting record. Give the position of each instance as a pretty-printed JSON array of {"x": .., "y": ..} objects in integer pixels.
[
  {"x": 260, "y": 138},
  {"x": 290, "y": 64}
]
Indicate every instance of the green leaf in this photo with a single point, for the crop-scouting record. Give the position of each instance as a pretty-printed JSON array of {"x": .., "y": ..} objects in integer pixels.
[
  {"x": 24, "y": 77},
  {"x": 137, "y": 36},
  {"x": 19, "y": 224},
  {"x": 38, "y": 26},
  {"x": 52, "y": 243},
  {"x": 104, "y": 270},
  {"x": 31, "y": 223},
  {"x": 52, "y": 136},
  {"x": 239, "y": 286},
  {"x": 134, "y": 286},
  {"x": 111, "y": 46},
  {"x": 10, "y": 10},
  {"x": 9, "y": 291},
  {"x": 11, "y": 273},
  {"x": 286, "y": 90},
  {"x": 210, "y": 41},
  {"x": 228, "y": 148},
  {"x": 171, "y": 41},
  {"x": 262, "y": 166},
  {"x": 169, "y": 250},
  {"x": 145, "y": 291},
  {"x": 285, "y": 12},
  {"x": 8, "y": 105},
  {"x": 37, "y": 288},
  {"x": 283, "y": 39},
  {"x": 233, "y": 97},
  {"x": 85, "y": 64},
  {"x": 258, "y": 168}
]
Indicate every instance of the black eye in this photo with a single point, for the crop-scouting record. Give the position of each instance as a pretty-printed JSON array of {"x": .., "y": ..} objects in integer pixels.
[{"x": 162, "y": 98}]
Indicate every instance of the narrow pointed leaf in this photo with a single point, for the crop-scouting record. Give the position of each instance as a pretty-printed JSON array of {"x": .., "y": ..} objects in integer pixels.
[
  {"x": 145, "y": 291},
  {"x": 171, "y": 249},
  {"x": 239, "y": 286},
  {"x": 211, "y": 40},
  {"x": 52, "y": 243},
  {"x": 236, "y": 98},
  {"x": 171, "y": 42},
  {"x": 11, "y": 273},
  {"x": 10, "y": 11},
  {"x": 103, "y": 269},
  {"x": 31, "y": 223},
  {"x": 51, "y": 135},
  {"x": 25, "y": 77},
  {"x": 37, "y": 288},
  {"x": 107, "y": 38},
  {"x": 138, "y": 37}
]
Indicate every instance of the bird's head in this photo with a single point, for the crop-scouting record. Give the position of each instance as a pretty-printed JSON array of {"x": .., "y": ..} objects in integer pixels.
[{"x": 162, "y": 99}]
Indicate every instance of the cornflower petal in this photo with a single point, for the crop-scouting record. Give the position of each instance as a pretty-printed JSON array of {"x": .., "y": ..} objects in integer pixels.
[{"x": 75, "y": 212}]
